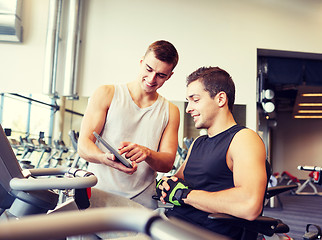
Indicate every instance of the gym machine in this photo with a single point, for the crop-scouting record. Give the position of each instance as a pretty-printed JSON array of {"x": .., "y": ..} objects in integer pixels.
[
  {"x": 314, "y": 178},
  {"x": 37, "y": 191},
  {"x": 28, "y": 195}
]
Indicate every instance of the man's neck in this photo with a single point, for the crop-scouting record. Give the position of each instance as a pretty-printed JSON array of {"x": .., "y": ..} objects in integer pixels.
[
  {"x": 141, "y": 98},
  {"x": 221, "y": 124}
]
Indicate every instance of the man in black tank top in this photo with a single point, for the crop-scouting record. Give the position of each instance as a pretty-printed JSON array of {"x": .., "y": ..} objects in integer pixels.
[{"x": 224, "y": 171}]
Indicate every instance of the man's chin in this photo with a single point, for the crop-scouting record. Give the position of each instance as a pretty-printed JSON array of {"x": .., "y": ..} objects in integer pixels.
[{"x": 149, "y": 88}]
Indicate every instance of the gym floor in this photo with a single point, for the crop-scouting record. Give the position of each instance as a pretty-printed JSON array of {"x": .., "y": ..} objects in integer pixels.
[{"x": 298, "y": 211}]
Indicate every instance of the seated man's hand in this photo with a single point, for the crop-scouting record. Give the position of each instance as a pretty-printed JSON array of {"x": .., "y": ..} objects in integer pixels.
[{"x": 172, "y": 190}]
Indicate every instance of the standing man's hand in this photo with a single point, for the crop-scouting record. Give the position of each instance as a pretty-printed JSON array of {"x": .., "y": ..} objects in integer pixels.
[
  {"x": 135, "y": 152},
  {"x": 110, "y": 160}
]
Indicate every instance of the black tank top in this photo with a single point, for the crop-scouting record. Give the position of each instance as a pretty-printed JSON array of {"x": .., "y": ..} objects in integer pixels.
[{"x": 207, "y": 170}]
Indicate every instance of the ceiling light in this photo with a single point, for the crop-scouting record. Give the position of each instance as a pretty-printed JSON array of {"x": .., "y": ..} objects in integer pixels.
[
  {"x": 268, "y": 94},
  {"x": 304, "y": 116},
  {"x": 268, "y": 107},
  {"x": 309, "y": 111},
  {"x": 312, "y": 94},
  {"x": 310, "y": 104}
]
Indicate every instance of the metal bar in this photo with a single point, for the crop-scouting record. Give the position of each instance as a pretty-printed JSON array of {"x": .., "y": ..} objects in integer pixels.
[
  {"x": 32, "y": 184},
  {"x": 310, "y": 168},
  {"x": 51, "y": 50},
  {"x": 84, "y": 180},
  {"x": 72, "y": 46},
  {"x": 56, "y": 107},
  {"x": 73, "y": 223},
  {"x": 1, "y": 106},
  {"x": 28, "y": 116},
  {"x": 51, "y": 122}
]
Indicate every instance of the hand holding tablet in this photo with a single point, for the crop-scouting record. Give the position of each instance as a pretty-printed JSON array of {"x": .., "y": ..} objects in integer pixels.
[{"x": 126, "y": 162}]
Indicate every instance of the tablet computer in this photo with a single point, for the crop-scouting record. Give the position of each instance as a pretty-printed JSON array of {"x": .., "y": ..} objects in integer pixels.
[{"x": 126, "y": 162}]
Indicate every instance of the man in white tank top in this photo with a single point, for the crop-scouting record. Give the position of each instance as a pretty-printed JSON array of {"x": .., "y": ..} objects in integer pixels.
[{"x": 138, "y": 122}]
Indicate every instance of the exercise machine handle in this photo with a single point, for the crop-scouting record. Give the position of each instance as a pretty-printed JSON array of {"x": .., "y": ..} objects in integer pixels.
[
  {"x": 73, "y": 223},
  {"x": 310, "y": 168},
  {"x": 73, "y": 179},
  {"x": 73, "y": 138}
]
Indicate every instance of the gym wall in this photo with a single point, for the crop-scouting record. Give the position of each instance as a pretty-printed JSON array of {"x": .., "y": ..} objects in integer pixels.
[
  {"x": 206, "y": 32},
  {"x": 296, "y": 142}
]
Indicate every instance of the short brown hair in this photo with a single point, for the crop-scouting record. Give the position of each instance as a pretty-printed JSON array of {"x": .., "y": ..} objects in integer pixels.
[
  {"x": 215, "y": 80},
  {"x": 164, "y": 51}
]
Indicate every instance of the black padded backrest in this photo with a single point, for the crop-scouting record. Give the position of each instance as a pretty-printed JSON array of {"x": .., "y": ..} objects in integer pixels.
[
  {"x": 268, "y": 171},
  {"x": 9, "y": 166}
]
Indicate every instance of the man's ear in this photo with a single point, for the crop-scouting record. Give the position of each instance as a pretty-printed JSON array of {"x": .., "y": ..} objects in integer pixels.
[
  {"x": 141, "y": 60},
  {"x": 169, "y": 76},
  {"x": 222, "y": 99}
]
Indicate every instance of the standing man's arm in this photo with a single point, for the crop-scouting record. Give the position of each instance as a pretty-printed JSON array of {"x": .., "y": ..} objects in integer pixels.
[
  {"x": 161, "y": 161},
  {"x": 94, "y": 120}
]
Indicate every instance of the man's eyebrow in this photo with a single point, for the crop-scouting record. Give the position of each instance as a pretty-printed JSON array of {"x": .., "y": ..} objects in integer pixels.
[
  {"x": 160, "y": 74},
  {"x": 192, "y": 96}
]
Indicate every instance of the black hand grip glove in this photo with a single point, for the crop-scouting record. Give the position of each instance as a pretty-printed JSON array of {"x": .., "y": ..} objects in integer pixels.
[
  {"x": 178, "y": 191},
  {"x": 158, "y": 190}
]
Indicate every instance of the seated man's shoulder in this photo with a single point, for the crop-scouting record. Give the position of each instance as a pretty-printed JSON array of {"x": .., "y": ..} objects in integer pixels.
[{"x": 245, "y": 135}]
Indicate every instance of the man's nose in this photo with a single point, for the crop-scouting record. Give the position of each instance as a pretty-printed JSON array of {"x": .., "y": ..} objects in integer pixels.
[
  {"x": 188, "y": 108},
  {"x": 152, "y": 76}
]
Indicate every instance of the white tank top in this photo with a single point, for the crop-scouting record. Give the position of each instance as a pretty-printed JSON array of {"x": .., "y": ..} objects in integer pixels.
[{"x": 125, "y": 121}]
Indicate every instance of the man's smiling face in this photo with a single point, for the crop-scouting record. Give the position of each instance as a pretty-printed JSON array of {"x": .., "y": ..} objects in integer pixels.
[{"x": 153, "y": 72}]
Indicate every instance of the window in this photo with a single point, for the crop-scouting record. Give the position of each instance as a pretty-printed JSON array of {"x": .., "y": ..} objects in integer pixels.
[{"x": 26, "y": 115}]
